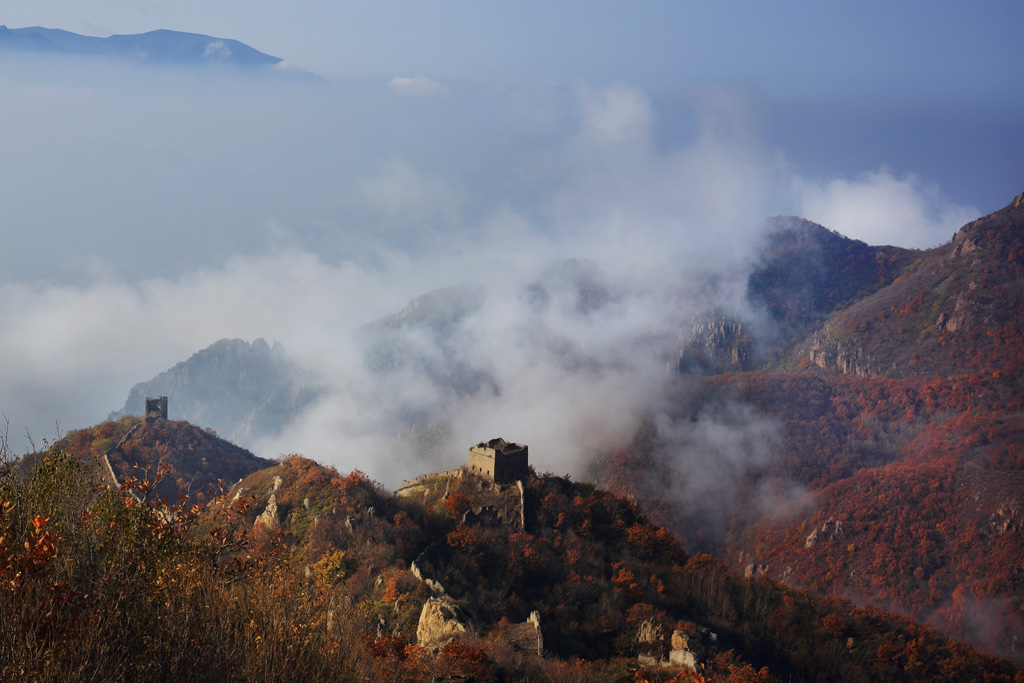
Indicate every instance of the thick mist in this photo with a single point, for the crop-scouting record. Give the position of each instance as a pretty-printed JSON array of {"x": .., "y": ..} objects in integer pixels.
[{"x": 148, "y": 213}]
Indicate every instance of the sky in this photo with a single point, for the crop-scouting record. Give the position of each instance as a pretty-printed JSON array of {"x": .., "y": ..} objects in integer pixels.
[{"x": 147, "y": 213}]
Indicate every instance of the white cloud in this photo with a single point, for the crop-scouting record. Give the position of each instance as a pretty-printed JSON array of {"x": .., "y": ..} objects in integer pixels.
[
  {"x": 616, "y": 114},
  {"x": 217, "y": 48},
  {"x": 879, "y": 208},
  {"x": 417, "y": 85},
  {"x": 400, "y": 189}
]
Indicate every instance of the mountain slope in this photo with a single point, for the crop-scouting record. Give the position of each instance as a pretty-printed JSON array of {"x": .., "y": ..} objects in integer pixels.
[
  {"x": 303, "y": 572},
  {"x": 802, "y": 274},
  {"x": 587, "y": 562},
  {"x": 957, "y": 310},
  {"x": 883, "y": 459},
  {"x": 805, "y": 272},
  {"x": 187, "y": 460}
]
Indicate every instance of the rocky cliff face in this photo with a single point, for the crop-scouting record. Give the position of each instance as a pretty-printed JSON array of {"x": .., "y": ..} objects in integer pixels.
[
  {"x": 715, "y": 342},
  {"x": 832, "y": 355}
]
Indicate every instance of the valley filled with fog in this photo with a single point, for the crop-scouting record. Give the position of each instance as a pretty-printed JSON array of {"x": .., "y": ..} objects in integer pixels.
[{"x": 153, "y": 210}]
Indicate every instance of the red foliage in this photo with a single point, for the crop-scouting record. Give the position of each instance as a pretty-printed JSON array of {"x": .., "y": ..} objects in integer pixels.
[{"x": 457, "y": 504}]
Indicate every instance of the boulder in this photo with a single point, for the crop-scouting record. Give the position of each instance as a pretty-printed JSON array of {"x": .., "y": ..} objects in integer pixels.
[{"x": 440, "y": 623}]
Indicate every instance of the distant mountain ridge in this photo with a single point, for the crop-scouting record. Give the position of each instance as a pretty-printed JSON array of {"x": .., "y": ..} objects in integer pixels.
[
  {"x": 153, "y": 47},
  {"x": 243, "y": 391}
]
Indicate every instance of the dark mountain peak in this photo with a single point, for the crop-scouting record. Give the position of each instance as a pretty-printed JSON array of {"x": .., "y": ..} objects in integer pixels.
[
  {"x": 794, "y": 230},
  {"x": 806, "y": 271}
]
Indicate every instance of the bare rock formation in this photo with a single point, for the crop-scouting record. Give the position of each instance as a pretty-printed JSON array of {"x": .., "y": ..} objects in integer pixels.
[
  {"x": 834, "y": 356},
  {"x": 440, "y": 623},
  {"x": 268, "y": 517},
  {"x": 689, "y": 650},
  {"x": 650, "y": 632},
  {"x": 830, "y": 530}
]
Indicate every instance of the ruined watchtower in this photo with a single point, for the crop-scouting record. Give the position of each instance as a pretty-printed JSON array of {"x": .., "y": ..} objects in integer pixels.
[
  {"x": 499, "y": 460},
  {"x": 156, "y": 408}
]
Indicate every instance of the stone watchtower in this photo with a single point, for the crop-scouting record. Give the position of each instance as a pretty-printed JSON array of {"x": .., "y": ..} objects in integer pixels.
[
  {"x": 499, "y": 461},
  {"x": 156, "y": 408}
]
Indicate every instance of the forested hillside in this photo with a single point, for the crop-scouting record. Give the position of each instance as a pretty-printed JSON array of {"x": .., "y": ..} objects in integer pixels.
[
  {"x": 304, "y": 572},
  {"x": 894, "y": 466}
]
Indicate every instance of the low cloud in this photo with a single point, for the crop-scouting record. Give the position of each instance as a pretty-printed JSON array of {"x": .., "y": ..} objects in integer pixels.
[
  {"x": 879, "y": 208},
  {"x": 400, "y": 189},
  {"x": 702, "y": 464},
  {"x": 417, "y": 85},
  {"x": 616, "y": 114}
]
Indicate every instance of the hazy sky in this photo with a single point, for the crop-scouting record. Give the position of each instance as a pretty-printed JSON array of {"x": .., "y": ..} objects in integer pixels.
[
  {"x": 942, "y": 51},
  {"x": 146, "y": 213},
  {"x": 931, "y": 88}
]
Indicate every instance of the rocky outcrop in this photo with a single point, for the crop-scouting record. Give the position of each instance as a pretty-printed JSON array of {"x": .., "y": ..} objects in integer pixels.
[
  {"x": 688, "y": 649},
  {"x": 650, "y": 632},
  {"x": 830, "y": 530},
  {"x": 440, "y": 623},
  {"x": 1006, "y": 519},
  {"x": 268, "y": 517},
  {"x": 965, "y": 315},
  {"x": 650, "y": 643},
  {"x": 834, "y": 356},
  {"x": 714, "y": 342}
]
